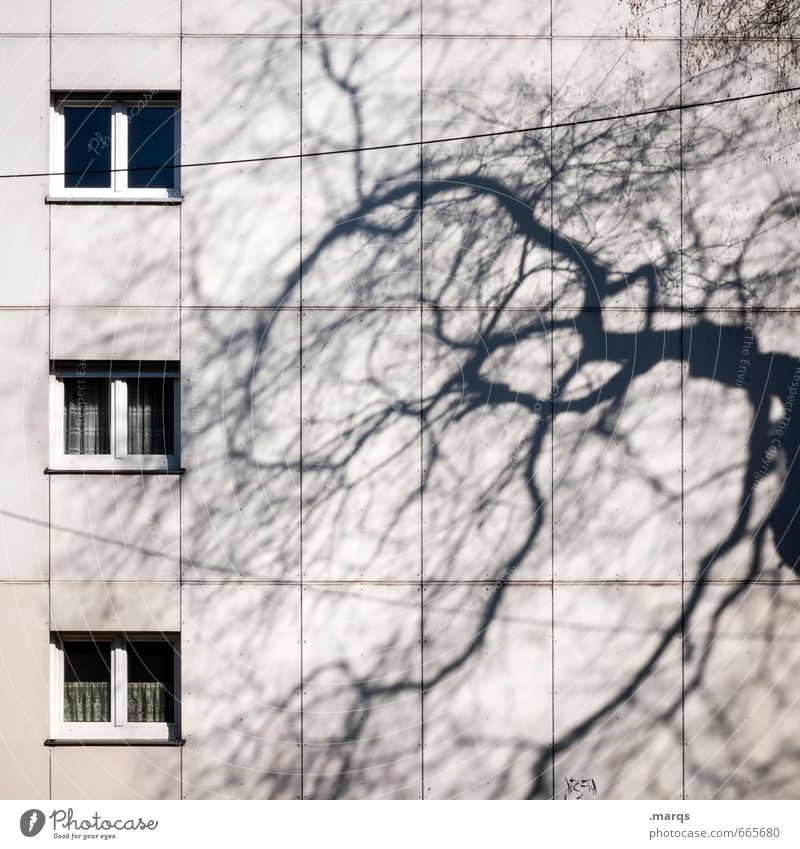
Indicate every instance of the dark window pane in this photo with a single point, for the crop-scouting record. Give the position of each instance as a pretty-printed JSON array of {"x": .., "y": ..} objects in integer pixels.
[
  {"x": 87, "y": 134},
  {"x": 151, "y": 681},
  {"x": 86, "y": 415},
  {"x": 87, "y": 681},
  {"x": 151, "y": 415},
  {"x": 151, "y": 147}
]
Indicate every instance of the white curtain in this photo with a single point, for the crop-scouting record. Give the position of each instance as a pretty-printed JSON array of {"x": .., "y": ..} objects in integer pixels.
[
  {"x": 86, "y": 416},
  {"x": 149, "y": 701},
  {"x": 150, "y": 416},
  {"x": 87, "y": 701}
]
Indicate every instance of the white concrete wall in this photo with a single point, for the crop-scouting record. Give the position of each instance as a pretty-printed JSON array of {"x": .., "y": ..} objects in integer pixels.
[{"x": 468, "y": 507}]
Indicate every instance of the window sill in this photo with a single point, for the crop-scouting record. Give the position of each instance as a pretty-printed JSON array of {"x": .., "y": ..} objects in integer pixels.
[
  {"x": 113, "y": 199},
  {"x": 132, "y": 471},
  {"x": 113, "y": 742}
]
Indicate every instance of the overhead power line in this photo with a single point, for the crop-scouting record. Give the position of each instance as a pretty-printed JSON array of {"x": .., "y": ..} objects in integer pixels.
[{"x": 661, "y": 110}]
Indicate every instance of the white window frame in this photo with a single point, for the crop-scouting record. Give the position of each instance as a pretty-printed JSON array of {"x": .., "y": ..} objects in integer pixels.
[
  {"x": 118, "y": 459},
  {"x": 118, "y": 728},
  {"x": 118, "y": 189}
]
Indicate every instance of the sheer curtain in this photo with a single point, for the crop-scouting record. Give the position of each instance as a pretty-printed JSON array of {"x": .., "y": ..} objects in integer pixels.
[
  {"x": 150, "y": 415},
  {"x": 86, "y": 416},
  {"x": 149, "y": 701},
  {"x": 87, "y": 701}
]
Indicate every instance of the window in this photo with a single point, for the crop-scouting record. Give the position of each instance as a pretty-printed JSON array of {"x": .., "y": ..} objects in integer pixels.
[
  {"x": 112, "y": 418},
  {"x": 110, "y": 686},
  {"x": 116, "y": 147}
]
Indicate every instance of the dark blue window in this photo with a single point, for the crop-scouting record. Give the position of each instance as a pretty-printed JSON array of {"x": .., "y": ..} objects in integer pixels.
[
  {"x": 151, "y": 147},
  {"x": 87, "y": 155}
]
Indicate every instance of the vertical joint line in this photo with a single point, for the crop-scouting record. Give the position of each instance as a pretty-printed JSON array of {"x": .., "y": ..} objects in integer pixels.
[
  {"x": 180, "y": 348},
  {"x": 683, "y": 376},
  {"x": 552, "y": 455},
  {"x": 49, "y": 351},
  {"x": 302, "y": 455},
  {"x": 421, "y": 433}
]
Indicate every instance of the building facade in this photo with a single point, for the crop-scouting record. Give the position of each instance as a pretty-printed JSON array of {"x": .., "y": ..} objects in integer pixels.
[{"x": 452, "y": 469}]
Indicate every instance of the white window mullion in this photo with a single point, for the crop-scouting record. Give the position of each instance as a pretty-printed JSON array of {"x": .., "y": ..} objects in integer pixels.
[
  {"x": 57, "y": 685},
  {"x": 119, "y": 677},
  {"x": 176, "y": 183},
  {"x": 57, "y": 140},
  {"x": 56, "y": 420},
  {"x": 112, "y": 412},
  {"x": 177, "y": 424},
  {"x": 120, "y": 388},
  {"x": 177, "y": 686},
  {"x": 119, "y": 154}
]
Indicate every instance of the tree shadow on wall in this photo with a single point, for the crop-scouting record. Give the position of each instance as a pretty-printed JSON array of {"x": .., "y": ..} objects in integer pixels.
[{"x": 491, "y": 383}]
